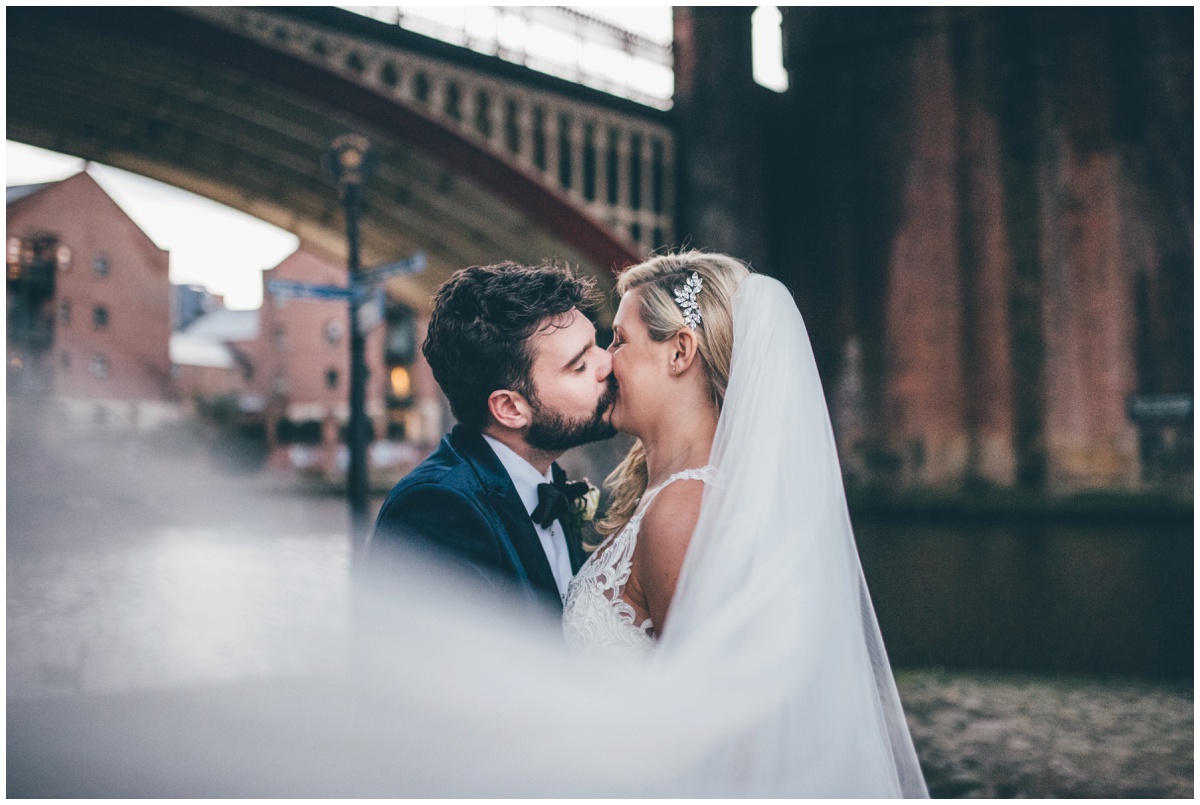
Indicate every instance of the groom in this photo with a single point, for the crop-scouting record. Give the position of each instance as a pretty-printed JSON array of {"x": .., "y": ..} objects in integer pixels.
[{"x": 514, "y": 350}]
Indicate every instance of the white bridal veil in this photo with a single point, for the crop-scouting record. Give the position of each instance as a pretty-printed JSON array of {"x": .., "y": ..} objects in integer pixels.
[
  {"x": 770, "y": 679},
  {"x": 772, "y": 598}
]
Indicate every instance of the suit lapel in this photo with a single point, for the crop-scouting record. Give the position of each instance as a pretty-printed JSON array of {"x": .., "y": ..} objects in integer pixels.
[{"x": 508, "y": 506}]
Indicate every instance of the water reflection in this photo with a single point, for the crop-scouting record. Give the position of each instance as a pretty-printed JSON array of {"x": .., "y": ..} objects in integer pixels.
[{"x": 1090, "y": 597}]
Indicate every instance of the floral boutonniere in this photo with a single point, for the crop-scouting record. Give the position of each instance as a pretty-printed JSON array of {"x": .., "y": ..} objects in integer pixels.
[
  {"x": 583, "y": 500},
  {"x": 588, "y": 503}
]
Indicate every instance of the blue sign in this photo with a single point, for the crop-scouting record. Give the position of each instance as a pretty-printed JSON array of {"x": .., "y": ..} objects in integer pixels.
[
  {"x": 289, "y": 289},
  {"x": 1159, "y": 407},
  {"x": 361, "y": 289},
  {"x": 413, "y": 264}
]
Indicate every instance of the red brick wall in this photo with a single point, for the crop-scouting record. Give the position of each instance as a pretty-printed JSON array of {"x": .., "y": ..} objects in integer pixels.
[
  {"x": 293, "y": 353},
  {"x": 923, "y": 385},
  {"x": 207, "y": 381},
  {"x": 136, "y": 294},
  {"x": 996, "y": 205}
]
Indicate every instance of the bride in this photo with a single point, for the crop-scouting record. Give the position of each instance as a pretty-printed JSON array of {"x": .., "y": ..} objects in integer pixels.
[{"x": 729, "y": 542}]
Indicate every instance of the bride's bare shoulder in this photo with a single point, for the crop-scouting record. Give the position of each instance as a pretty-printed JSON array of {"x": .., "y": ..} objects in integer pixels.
[
  {"x": 673, "y": 512},
  {"x": 663, "y": 540}
]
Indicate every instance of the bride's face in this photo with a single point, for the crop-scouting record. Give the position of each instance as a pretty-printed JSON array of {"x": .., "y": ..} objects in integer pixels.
[{"x": 639, "y": 366}]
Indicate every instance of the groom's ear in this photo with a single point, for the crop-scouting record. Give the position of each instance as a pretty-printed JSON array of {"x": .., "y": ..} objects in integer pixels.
[
  {"x": 509, "y": 409},
  {"x": 683, "y": 351}
]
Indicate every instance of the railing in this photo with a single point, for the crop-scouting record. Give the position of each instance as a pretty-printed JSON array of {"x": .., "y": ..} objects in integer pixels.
[
  {"x": 618, "y": 168},
  {"x": 556, "y": 40}
]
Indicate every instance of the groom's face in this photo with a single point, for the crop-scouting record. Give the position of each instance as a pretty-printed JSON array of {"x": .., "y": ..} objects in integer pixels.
[{"x": 571, "y": 382}]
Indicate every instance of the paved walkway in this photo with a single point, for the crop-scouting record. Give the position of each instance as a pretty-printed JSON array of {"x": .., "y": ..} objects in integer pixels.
[{"x": 992, "y": 736}]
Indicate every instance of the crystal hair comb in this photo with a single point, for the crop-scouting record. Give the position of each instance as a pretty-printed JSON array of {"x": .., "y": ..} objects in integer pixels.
[{"x": 685, "y": 297}]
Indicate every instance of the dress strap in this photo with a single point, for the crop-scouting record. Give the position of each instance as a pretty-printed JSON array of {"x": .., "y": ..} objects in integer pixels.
[{"x": 705, "y": 473}]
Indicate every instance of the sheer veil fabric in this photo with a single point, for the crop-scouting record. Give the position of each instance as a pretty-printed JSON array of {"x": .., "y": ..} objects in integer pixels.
[
  {"x": 770, "y": 678},
  {"x": 772, "y": 598}
]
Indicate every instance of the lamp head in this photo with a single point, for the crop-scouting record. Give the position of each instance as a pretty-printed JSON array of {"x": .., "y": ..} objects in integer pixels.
[{"x": 349, "y": 159}]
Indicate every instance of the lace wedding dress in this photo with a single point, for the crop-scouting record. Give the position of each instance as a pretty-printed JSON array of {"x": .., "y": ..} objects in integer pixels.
[{"x": 595, "y": 617}]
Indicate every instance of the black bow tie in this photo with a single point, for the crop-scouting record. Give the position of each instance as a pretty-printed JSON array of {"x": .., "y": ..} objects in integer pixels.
[{"x": 556, "y": 499}]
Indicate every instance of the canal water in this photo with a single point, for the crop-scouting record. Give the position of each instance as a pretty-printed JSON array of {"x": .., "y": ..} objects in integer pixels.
[
  {"x": 1018, "y": 594},
  {"x": 138, "y": 570}
]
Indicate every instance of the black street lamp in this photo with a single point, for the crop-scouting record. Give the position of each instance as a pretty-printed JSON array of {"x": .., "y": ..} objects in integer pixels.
[{"x": 349, "y": 159}]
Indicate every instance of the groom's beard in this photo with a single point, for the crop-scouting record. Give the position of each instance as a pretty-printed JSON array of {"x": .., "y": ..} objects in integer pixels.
[{"x": 552, "y": 432}]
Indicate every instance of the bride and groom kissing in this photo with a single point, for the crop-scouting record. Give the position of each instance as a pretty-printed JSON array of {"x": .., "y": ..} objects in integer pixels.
[{"x": 727, "y": 545}]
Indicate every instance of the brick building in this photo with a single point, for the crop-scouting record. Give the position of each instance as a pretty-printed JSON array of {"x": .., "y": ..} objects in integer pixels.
[
  {"x": 301, "y": 363},
  {"x": 88, "y": 299}
]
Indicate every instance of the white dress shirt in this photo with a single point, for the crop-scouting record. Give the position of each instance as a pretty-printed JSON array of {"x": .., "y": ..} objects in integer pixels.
[{"x": 526, "y": 478}]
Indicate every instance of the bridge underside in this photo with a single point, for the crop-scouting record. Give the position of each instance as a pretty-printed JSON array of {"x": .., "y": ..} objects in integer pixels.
[{"x": 169, "y": 97}]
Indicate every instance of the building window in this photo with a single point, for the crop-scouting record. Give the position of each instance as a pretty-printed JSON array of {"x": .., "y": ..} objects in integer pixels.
[
  {"x": 64, "y": 311},
  {"x": 14, "y": 258},
  {"x": 333, "y": 332},
  {"x": 100, "y": 265},
  {"x": 401, "y": 382},
  {"x": 99, "y": 317},
  {"x": 331, "y": 378},
  {"x": 767, "y": 48},
  {"x": 63, "y": 256},
  {"x": 99, "y": 366},
  {"x": 15, "y": 253}
]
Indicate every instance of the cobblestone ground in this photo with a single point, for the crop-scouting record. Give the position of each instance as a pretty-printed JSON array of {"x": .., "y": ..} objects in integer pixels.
[{"x": 992, "y": 736}]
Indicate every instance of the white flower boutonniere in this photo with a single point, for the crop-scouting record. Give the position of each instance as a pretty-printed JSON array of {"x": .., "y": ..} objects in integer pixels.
[{"x": 589, "y": 503}]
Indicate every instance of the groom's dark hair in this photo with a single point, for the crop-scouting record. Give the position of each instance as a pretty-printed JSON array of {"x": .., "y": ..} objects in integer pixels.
[{"x": 483, "y": 318}]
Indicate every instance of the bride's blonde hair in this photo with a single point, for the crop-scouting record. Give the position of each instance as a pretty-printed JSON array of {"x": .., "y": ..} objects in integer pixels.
[{"x": 656, "y": 281}]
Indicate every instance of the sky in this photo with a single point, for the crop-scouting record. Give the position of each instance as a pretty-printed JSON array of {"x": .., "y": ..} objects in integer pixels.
[
  {"x": 210, "y": 244},
  {"x": 226, "y": 250}
]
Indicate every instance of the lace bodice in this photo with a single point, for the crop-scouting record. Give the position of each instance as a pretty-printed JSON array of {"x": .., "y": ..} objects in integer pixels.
[{"x": 595, "y": 617}]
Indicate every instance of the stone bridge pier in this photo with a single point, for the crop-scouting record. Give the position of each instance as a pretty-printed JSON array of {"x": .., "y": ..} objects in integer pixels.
[{"x": 987, "y": 218}]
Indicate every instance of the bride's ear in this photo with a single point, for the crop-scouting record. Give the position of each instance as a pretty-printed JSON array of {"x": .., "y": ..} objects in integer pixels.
[{"x": 683, "y": 351}]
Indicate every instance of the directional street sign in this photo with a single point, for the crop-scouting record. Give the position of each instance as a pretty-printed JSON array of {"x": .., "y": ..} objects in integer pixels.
[
  {"x": 371, "y": 311},
  {"x": 414, "y": 264},
  {"x": 289, "y": 289},
  {"x": 362, "y": 288},
  {"x": 1159, "y": 407}
]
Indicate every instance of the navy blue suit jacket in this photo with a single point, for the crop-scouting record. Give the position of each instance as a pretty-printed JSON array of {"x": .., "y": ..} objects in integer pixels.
[{"x": 461, "y": 502}]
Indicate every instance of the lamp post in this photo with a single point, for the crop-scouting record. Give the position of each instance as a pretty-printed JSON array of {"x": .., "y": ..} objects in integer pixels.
[{"x": 349, "y": 159}]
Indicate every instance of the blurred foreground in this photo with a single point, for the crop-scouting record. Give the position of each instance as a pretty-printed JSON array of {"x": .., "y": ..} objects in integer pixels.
[{"x": 151, "y": 591}]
